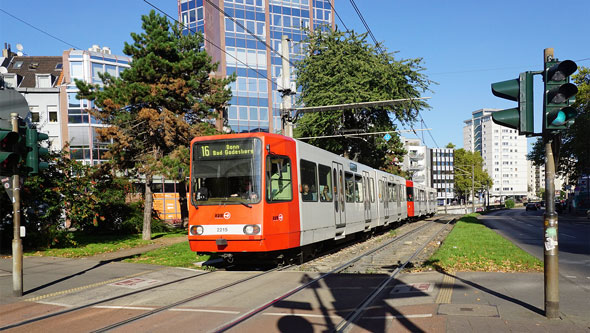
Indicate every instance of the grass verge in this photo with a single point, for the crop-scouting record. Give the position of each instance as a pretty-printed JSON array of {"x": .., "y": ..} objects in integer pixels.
[
  {"x": 176, "y": 255},
  {"x": 471, "y": 246},
  {"x": 89, "y": 245}
]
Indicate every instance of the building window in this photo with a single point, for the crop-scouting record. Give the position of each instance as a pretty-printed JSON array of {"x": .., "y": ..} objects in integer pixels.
[
  {"x": 52, "y": 111},
  {"x": 34, "y": 113},
  {"x": 43, "y": 80}
]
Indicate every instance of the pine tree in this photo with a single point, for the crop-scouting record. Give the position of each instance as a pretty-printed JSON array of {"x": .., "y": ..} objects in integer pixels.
[{"x": 154, "y": 109}]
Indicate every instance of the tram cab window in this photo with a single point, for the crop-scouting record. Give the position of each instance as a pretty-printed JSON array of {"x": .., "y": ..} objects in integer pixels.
[
  {"x": 279, "y": 185},
  {"x": 349, "y": 186},
  {"x": 358, "y": 189},
  {"x": 325, "y": 181},
  {"x": 309, "y": 188}
]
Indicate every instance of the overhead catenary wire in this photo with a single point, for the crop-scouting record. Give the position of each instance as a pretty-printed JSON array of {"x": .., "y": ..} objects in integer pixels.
[
  {"x": 210, "y": 42},
  {"x": 338, "y": 15},
  {"x": 39, "y": 29}
]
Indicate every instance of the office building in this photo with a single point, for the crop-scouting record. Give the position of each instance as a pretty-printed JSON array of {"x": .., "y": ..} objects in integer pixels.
[
  {"x": 244, "y": 36},
  {"x": 503, "y": 151}
]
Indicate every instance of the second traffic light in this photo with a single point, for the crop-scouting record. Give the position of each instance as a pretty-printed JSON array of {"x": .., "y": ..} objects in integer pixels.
[
  {"x": 520, "y": 90},
  {"x": 35, "y": 151},
  {"x": 558, "y": 114}
]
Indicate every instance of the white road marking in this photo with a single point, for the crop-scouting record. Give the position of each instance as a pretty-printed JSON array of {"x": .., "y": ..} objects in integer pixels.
[
  {"x": 425, "y": 315},
  {"x": 205, "y": 310},
  {"x": 571, "y": 277},
  {"x": 123, "y": 307},
  {"x": 57, "y": 304},
  {"x": 562, "y": 234}
]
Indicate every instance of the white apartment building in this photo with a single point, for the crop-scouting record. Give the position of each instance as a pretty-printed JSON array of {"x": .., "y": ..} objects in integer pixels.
[
  {"x": 417, "y": 161},
  {"x": 503, "y": 151},
  {"x": 536, "y": 182}
]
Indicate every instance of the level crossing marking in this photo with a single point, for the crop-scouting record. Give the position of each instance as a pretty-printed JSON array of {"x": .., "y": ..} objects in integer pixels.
[{"x": 68, "y": 291}]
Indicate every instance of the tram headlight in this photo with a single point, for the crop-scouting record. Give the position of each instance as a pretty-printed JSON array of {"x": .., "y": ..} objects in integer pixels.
[
  {"x": 251, "y": 229},
  {"x": 197, "y": 230}
]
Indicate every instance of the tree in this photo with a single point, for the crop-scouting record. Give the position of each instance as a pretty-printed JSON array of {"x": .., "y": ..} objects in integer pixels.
[
  {"x": 574, "y": 154},
  {"x": 341, "y": 68},
  {"x": 450, "y": 145},
  {"x": 463, "y": 162},
  {"x": 159, "y": 104}
]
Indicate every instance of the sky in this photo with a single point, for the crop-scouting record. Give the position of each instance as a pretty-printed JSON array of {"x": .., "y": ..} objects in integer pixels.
[{"x": 465, "y": 44}]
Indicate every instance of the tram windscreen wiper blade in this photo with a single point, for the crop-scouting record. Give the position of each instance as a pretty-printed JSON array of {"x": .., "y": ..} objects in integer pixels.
[{"x": 238, "y": 201}]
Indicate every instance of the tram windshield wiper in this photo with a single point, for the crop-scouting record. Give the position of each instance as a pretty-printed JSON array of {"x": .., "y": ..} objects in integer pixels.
[{"x": 226, "y": 200}]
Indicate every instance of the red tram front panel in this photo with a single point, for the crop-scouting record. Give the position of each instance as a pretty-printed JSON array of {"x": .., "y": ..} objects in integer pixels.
[
  {"x": 410, "y": 198},
  {"x": 266, "y": 217}
]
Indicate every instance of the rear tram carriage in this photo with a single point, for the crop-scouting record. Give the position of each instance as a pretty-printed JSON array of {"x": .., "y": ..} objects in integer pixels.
[{"x": 269, "y": 196}]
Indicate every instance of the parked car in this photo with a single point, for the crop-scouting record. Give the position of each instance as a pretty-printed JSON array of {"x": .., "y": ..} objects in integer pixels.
[{"x": 531, "y": 206}]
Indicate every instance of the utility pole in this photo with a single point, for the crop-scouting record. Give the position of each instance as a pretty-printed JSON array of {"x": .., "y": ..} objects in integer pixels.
[
  {"x": 551, "y": 250},
  {"x": 17, "y": 244},
  {"x": 285, "y": 90}
]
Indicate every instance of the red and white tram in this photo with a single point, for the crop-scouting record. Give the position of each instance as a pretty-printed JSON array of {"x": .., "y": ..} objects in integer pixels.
[{"x": 270, "y": 194}]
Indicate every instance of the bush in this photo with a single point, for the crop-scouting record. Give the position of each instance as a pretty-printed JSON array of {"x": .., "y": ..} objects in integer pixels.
[{"x": 509, "y": 203}]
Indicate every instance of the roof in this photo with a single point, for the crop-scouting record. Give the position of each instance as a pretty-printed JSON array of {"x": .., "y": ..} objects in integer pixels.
[{"x": 27, "y": 67}]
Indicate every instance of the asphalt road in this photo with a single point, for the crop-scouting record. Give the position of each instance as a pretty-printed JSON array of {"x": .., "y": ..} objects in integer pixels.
[{"x": 525, "y": 229}]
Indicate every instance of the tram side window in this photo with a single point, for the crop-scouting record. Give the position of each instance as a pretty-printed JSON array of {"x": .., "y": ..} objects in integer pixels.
[
  {"x": 309, "y": 183},
  {"x": 372, "y": 189},
  {"x": 358, "y": 189},
  {"x": 279, "y": 185},
  {"x": 325, "y": 183},
  {"x": 349, "y": 184}
]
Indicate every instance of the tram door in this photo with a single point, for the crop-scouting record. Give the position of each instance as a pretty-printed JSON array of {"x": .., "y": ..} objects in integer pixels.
[
  {"x": 338, "y": 181},
  {"x": 385, "y": 193},
  {"x": 366, "y": 202}
]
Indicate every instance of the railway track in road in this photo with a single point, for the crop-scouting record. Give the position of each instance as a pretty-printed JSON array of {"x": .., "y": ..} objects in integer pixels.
[
  {"x": 143, "y": 315},
  {"x": 354, "y": 315}
]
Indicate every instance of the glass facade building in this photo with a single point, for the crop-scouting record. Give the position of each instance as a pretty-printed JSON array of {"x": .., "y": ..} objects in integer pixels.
[{"x": 244, "y": 36}]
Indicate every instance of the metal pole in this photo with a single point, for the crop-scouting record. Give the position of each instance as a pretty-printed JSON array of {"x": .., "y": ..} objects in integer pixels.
[
  {"x": 473, "y": 188},
  {"x": 287, "y": 124},
  {"x": 551, "y": 250},
  {"x": 17, "y": 244}
]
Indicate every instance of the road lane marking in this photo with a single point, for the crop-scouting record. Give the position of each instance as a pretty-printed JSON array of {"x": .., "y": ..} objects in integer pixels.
[
  {"x": 422, "y": 315},
  {"x": 571, "y": 277},
  {"x": 562, "y": 234},
  {"x": 123, "y": 307},
  {"x": 204, "y": 310},
  {"x": 57, "y": 304}
]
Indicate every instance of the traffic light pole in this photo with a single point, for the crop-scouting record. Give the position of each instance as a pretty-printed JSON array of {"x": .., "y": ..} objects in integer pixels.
[
  {"x": 17, "y": 244},
  {"x": 551, "y": 250}
]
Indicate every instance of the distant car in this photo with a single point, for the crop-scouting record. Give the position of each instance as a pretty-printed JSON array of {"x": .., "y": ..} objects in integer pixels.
[
  {"x": 531, "y": 206},
  {"x": 538, "y": 204}
]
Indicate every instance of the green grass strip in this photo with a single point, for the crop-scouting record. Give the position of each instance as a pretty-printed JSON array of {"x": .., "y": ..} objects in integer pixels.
[
  {"x": 471, "y": 246},
  {"x": 176, "y": 255}
]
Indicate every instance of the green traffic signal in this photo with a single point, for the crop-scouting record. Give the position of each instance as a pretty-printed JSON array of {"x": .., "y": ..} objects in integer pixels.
[
  {"x": 9, "y": 157},
  {"x": 35, "y": 151},
  {"x": 520, "y": 118},
  {"x": 559, "y": 95}
]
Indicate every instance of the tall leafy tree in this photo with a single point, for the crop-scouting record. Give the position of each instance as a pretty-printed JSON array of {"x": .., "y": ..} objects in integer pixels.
[
  {"x": 159, "y": 104},
  {"x": 342, "y": 67},
  {"x": 574, "y": 153},
  {"x": 465, "y": 176}
]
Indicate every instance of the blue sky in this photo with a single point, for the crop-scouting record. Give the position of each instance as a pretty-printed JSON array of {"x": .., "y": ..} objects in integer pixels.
[{"x": 466, "y": 45}]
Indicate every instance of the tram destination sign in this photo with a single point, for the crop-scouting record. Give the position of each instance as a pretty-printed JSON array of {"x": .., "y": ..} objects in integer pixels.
[{"x": 224, "y": 149}]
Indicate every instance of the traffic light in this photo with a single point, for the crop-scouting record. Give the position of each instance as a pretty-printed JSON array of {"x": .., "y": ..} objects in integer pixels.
[
  {"x": 35, "y": 151},
  {"x": 559, "y": 94},
  {"x": 9, "y": 156},
  {"x": 520, "y": 90}
]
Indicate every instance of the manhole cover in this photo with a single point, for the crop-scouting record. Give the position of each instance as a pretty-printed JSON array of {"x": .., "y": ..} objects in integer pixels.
[
  {"x": 474, "y": 310},
  {"x": 424, "y": 287}
]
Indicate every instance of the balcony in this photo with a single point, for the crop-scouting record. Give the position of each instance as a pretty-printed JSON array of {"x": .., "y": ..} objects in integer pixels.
[
  {"x": 416, "y": 156},
  {"x": 416, "y": 167}
]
